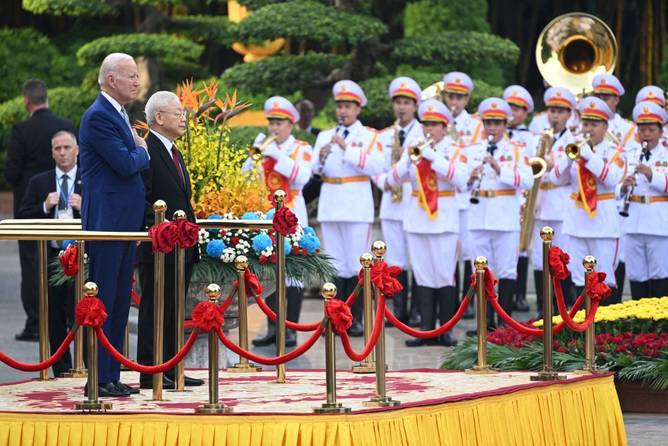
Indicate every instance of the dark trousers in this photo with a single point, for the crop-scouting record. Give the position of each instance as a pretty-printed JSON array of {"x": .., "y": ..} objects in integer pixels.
[
  {"x": 29, "y": 296},
  {"x": 146, "y": 310},
  {"x": 111, "y": 268},
  {"x": 61, "y": 317}
]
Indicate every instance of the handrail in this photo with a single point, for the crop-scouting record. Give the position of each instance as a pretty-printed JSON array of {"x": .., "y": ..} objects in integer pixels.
[{"x": 29, "y": 223}]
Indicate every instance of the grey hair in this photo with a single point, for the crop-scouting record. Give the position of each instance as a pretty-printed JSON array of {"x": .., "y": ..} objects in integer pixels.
[
  {"x": 157, "y": 102},
  {"x": 110, "y": 66},
  {"x": 65, "y": 133}
]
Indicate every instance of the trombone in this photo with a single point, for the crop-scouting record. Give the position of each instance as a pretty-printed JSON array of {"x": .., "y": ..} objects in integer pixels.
[
  {"x": 257, "y": 153},
  {"x": 415, "y": 151},
  {"x": 573, "y": 149}
]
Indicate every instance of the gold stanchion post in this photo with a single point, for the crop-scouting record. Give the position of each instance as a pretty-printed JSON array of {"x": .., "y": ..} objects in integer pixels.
[
  {"x": 381, "y": 399},
  {"x": 43, "y": 308},
  {"x": 179, "y": 306},
  {"x": 481, "y": 367},
  {"x": 368, "y": 365},
  {"x": 159, "y": 207},
  {"x": 92, "y": 404},
  {"x": 282, "y": 307},
  {"x": 243, "y": 366},
  {"x": 213, "y": 406},
  {"x": 328, "y": 292},
  {"x": 548, "y": 373},
  {"x": 589, "y": 263},
  {"x": 78, "y": 370}
]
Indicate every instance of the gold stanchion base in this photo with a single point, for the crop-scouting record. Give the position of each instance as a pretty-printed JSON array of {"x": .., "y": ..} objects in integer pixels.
[
  {"x": 248, "y": 367},
  {"x": 547, "y": 376},
  {"x": 331, "y": 408},
  {"x": 83, "y": 373},
  {"x": 480, "y": 370},
  {"x": 384, "y": 401},
  {"x": 92, "y": 406},
  {"x": 177, "y": 390},
  {"x": 212, "y": 409},
  {"x": 364, "y": 367},
  {"x": 587, "y": 371}
]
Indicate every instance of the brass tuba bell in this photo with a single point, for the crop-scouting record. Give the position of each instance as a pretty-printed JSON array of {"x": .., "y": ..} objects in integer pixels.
[{"x": 573, "y": 48}]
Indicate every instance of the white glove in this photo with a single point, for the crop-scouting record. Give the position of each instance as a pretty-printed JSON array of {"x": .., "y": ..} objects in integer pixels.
[
  {"x": 429, "y": 154},
  {"x": 258, "y": 139},
  {"x": 272, "y": 151},
  {"x": 585, "y": 152}
]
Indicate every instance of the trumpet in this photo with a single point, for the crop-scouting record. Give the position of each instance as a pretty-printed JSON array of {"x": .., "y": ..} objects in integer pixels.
[
  {"x": 573, "y": 149},
  {"x": 475, "y": 193},
  {"x": 415, "y": 151},
  {"x": 627, "y": 198},
  {"x": 257, "y": 153}
]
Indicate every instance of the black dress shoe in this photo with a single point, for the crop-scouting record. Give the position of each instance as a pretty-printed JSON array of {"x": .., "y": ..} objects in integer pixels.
[
  {"x": 187, "y": 380},
  {"x": 419, "y": 342},
  {"x": 290, "y": 338},
  {"x": 108, "y": 390},
  {"x": 268, "y": 339},
  {"x": 356, "y": 330},
  {"x": 166, "y": 383},
  {"x": 26, "y": 335},
  {"x": 125, "y": 387},
  {"x": 447, "y": 340}
]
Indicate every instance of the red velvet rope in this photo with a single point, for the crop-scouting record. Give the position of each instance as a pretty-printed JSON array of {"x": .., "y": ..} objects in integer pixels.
[
  {"x": 269, "y": 360},
  {"x": 378, "y": 324},
  {"x": 160, "y": 368},
  {"x": 34, "y": 367},
  {"x": 566, "y": 317},
  {"x": 430, "y": 333}
]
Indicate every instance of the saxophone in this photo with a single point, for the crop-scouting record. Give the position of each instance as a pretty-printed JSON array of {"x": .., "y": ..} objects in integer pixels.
[
  {"x": 396, "y": 192},
  {"x": 538, "y": 166}
]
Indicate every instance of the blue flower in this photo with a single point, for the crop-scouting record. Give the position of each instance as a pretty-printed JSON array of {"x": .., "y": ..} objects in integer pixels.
[
  {"x": 310, "y": 242},
  {"x": 215, "y": 248},
  {"x": 67, "y": 243},
  {"x": 214, "y": 232},
  {"x": 288, "y": 247},
  {"x": 309, "y": 231},
  {"x": 261, "y": 242},
  {"x": 249, "y": 216},
  {"x": 270, "y": 214}
]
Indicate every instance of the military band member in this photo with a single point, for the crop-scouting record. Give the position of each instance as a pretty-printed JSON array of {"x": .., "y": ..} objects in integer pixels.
[
  {"x": 655, "y": 94},
  {"x": 285, "y": 164},
  {"x": 502, "y": 171},
  {"x": 541, "y": 121},
  {"x": 591, "y": 218},
  {"x": 405, "y": 95},
  {"x": 431, "y": 218},
  {"x": 608, "y": 88},
  {"x": 646, "y": 189},
  {"x": 521, "y": 105},
  {"x": 347, "y": 156}
]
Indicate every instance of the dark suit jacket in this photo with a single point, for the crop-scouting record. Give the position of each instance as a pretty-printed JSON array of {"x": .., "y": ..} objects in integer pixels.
[
  {"x": 111, "y": 165},
  {"x": 162, "y": 182},
  {"x": 39, "y": 187},
  {"x": 29, "y": 149}
]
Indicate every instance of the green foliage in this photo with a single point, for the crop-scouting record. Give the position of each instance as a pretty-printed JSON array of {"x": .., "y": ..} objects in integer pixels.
[
  {"x": 425, "y": 17},
  {"x": 27, "y": 54},
  {"x": 310, "y": 21},
  {"x": 282, "y": 75},
  {"x": 164, "y": 47},
  {"x": 654, "y": 373},
  {"x": 257, "y": 4},
  {"x": 203, "y": 29},
  {"x": 69, "y": 7}
]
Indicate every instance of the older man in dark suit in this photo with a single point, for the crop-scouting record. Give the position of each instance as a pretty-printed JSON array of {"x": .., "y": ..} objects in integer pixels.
[
  {"x": 56, "y": 193},
  {"x": 112, "y": 159},
  {"x": 29, "y": 153},
  {"x": 166, "y": 179}
]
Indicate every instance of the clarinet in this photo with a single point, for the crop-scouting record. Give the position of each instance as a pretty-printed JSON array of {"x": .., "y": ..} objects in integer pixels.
[
  {"x": 475, "y": 193},
  {"x": 627, "y": 198},
  {"x": 339, "y": 126}
]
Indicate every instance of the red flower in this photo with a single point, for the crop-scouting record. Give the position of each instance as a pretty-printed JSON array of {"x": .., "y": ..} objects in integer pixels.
[
  {"x": 188, "y": 233},
  {"x": 207, "y": 316},
  {"x": 234, "y": 241},
  {"x": 90, "y": 312},
  {"x": 597, "y": 290},
  {"x": 68, "y": 260},
  {"x": 163, "y": 237},
  {"x": 295, "y": 250},
  {"x": 285, "y": 221},
  {"x": 200, "y": 214},
  {"x": 558, "y": 260},
  {"x": 263, "y": 260},
  {"x": 339, "y": 313},
  {"x": 384, "y": 277},
  {"x": 273, "y": 257}
]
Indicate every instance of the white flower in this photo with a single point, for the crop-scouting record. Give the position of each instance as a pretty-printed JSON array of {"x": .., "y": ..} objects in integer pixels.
[{"x": 228, "y": 256}]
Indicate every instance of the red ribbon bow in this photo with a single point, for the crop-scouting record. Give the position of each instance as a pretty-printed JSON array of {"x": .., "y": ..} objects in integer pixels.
[
  {"x": 490, "y": 282},
  {"x": 597, "y": 289},
  {"x": 188, "y": 233},
  {"x": 339, "y": 314},
  {"x": 253, "y": 285},
  {"x": 90, "y": 312},
  {"x": 558, "y": 261},
  {"x": 285, "y": 221},
  {"x": 207, "y": 316},
  {"x": 384, "y": 277},
  {"x": 68, "y": 260},
  {"x": 167, "y": 234}
]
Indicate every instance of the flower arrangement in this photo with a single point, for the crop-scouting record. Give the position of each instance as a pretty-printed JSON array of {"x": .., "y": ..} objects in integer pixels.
[{"x": 631, "y": 340}]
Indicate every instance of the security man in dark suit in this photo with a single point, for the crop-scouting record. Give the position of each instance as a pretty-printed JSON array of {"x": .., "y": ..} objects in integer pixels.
[
  {"x": 29, "y": 153},
  {"x": 56, "y": 193},
  {"x": 166, "y": 179}
]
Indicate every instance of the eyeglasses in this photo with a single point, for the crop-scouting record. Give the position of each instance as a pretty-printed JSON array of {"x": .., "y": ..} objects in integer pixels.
[{"x": 180, "y": 114}]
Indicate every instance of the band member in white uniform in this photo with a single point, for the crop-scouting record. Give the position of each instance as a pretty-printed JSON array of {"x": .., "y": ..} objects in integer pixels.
[
  {"x": 645, "y": 190},
  {"x": 591, "y": 218},
  {"x": 285, "y": 164},
  {"x": 521, "y": 105},
  {"x": 501, "y": 172},
  {"x": 405, "y": 95},
  {"x": 347, "y": 156},
  {"x": 431, "y": 218},
  {"x": 653, "y": 93}
]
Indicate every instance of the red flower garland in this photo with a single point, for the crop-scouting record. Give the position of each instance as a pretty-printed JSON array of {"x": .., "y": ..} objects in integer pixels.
[
  {"x": 90, "y": 312},
  {"x": 68, "y": 260},
  {"x": 188, "y": 233},
  {"x": 253, "y": 285},
  {"x": 207, "y": 316},
  {"x": 490, "y": 283},
  {"x": 163, "y": 237},
  {"x": 597, "y": 289},
  {"x": 558, "y": 261},
  {"x": 339, "y": 314},
  {"x": 285, "y": 221}
]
